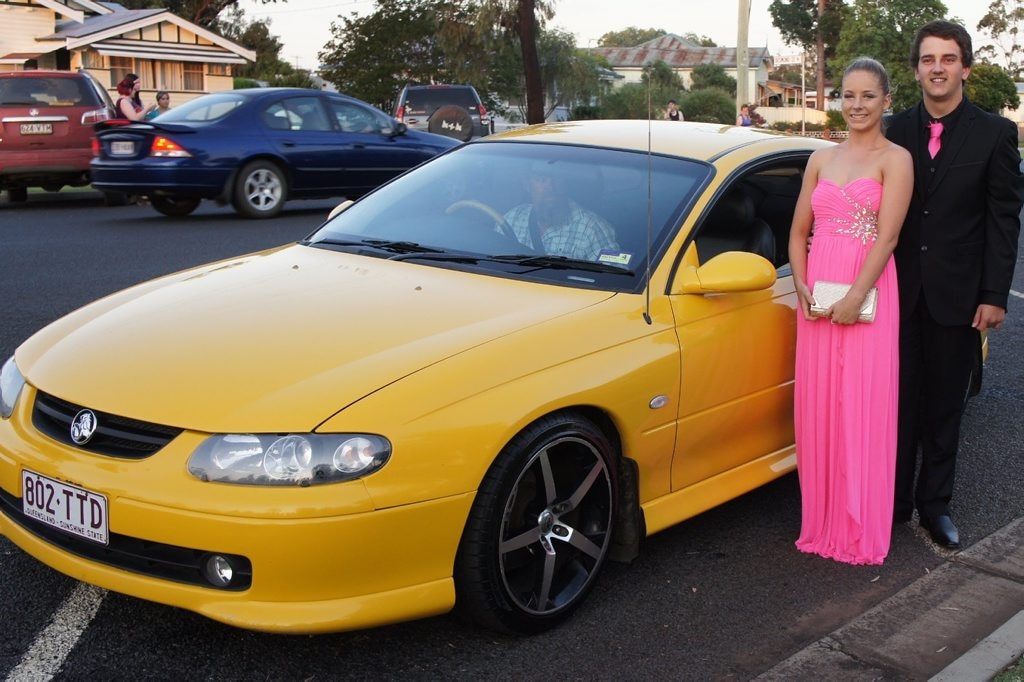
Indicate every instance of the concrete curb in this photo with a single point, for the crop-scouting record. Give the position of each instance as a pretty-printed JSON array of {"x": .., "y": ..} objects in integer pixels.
[{"x": 962, "y": 620}]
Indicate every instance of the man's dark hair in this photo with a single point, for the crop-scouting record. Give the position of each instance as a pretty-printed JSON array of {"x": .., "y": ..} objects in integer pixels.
[
  {"x": 672, "y": 101},
  {"x": 946, "y": 30}
]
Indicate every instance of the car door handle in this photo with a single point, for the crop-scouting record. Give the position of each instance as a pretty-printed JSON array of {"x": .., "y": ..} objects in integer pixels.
[{"x": 287, "y": 144}]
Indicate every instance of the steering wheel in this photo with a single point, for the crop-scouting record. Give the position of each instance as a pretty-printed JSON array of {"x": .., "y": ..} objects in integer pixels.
[{"x": 499, "y": 219}]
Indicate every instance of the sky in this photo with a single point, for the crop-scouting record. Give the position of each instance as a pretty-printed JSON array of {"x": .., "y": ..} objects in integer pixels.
[{"x": 303, "y": 26}]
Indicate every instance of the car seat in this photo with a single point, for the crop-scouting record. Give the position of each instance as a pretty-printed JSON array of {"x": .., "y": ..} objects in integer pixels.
[{"x": 733, "y": 225}]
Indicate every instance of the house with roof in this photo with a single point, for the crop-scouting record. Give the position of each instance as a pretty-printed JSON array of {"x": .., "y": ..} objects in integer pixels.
[
  {"x": 682, "y": 56},
  {"x": 110, "y": 41}
]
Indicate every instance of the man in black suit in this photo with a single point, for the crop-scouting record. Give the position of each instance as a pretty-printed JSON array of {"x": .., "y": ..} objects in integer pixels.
[{"x": 954, "y": 263}]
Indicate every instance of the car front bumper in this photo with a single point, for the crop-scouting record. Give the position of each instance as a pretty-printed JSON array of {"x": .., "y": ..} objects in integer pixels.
[{"x": 323, "y": 559}]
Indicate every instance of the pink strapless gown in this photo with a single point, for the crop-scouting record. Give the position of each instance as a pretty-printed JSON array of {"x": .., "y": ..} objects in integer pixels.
[{"x": 846, "y": 390}]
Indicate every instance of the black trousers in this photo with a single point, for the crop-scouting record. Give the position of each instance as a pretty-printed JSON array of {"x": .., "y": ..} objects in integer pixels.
[{"x": 935, "y": 373}]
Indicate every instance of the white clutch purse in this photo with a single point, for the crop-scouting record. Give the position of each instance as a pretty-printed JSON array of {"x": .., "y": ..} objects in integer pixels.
[{"x": 827, "y": 294}]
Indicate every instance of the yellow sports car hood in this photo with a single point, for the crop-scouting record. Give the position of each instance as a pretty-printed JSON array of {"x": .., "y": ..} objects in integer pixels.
[{"x": 276, "y": 341}]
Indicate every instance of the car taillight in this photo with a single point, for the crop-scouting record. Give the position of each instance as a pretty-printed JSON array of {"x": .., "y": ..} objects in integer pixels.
[
  {"x": 95, "y": 146},
  {"x": 483, "y": 114},
  {"x": 400, "y": 114},
  {"x": 165, "y": 146},
  {"x": 95, "y": 116}
]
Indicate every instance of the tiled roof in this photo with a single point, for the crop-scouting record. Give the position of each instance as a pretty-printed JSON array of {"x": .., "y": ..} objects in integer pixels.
[{"x": 678, "y": 53}]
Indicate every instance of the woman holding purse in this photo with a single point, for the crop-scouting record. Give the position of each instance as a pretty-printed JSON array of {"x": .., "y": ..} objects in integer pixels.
[{"x": 855, "y": 196}]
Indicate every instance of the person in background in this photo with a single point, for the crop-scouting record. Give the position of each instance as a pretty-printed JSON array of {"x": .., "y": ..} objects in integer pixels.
[
  {"x": 744, "y": 118},
  {"x": 673, "y": 113},
  {"x": 955, "y": 259},
  {"x": 163, "y": 105},
  {"x": 129, "y": 104},
  {"x": 855, "y": 195}
]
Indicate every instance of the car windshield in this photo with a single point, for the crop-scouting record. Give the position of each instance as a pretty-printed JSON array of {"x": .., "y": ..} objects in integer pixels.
[
  {"x": 48, "y": 92},
  {"x": 570, "y": 215},
  {"x": 434, "y": 98},
  {"x": 205, "y": 108}
]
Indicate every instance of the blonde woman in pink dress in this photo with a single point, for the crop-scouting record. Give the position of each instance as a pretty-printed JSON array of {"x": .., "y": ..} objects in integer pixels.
[{"x": 854, "y": 197}]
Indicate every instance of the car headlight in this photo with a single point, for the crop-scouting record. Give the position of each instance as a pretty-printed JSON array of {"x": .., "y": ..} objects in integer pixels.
[
  {"x": 293, "y": 459},
  {"x": 11, "y": 382}
]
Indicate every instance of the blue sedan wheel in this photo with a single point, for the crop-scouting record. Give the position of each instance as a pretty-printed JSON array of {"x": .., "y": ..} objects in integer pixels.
[{"x": 259, "y": 190}]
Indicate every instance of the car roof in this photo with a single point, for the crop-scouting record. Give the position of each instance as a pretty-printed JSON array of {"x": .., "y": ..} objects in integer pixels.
[
  {"x": 36, "y": 73},
  {"x": 703, "y": 141}
]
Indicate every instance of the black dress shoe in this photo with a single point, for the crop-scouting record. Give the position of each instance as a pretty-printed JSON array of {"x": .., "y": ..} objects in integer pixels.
[{"x": 942, "y": 530}]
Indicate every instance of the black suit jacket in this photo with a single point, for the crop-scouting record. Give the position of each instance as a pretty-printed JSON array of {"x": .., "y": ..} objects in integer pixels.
[{"x": 958, "y": 245}]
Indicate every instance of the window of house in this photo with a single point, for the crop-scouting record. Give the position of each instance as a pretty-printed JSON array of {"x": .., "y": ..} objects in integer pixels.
[
  {"x": 218, "y": 69},
  {"x": 169, "y": 76},
  {"x": 91, "y": 59},
  {"x": 192, "y": 75},
  {"x": 119, "y": 68}
]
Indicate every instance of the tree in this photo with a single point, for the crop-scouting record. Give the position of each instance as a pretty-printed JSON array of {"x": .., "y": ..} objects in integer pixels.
[
  {"x": 635, "y": 101},
  {"x": 1003, "y": 24},
  {"x": 703, "y": 41},
  {"x": 629, "y": 37},
  {"x": 569, "y": 74},
  {"x": 518, "y": 19},
  {"x": 706, "y": 76},
  {"x": 991, "y": 88},
  {"x": 709, "y": 105},
  {"x": 815, "y": 26},
  {"x": 370, "y": 56},
  {"x": 256, "y": 36},
  {"x": 661, "y": 75},
  {"x": 201, "y": 12},
  {"x": 885, "y": 29}
]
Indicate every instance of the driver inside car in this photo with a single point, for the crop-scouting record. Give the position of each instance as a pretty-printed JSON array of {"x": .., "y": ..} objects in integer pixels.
[{"x": 553, "y": 224}]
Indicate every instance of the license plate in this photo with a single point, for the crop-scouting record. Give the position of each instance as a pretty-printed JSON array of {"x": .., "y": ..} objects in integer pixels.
[
  {"x": 36, "y": 128},
  {"x": 120, "y": 148},
  {"x": 72, "y": 509}
]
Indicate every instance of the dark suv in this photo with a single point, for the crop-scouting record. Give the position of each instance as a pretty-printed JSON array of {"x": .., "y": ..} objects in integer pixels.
[
  {"x": 46, "y": 129},
  {"x": 452, "y": 110}
]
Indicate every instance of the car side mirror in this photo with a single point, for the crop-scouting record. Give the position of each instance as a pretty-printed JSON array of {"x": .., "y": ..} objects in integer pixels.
[
  {"x": 396, "y": 129},
  {"x": 729, "y": 272}
]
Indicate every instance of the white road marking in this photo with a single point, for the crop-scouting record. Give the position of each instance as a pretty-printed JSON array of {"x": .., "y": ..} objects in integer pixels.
[
  {"x": 44, "y": 658},
  {"x": 1016, "y": 293}
]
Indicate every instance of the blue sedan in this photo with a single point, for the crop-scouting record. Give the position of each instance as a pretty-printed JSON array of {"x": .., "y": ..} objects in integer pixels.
[{"x": 257, "y": 149}]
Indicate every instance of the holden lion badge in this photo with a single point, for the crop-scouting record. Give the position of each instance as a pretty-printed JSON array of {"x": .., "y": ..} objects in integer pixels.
[{"x": 83, "y": 426}]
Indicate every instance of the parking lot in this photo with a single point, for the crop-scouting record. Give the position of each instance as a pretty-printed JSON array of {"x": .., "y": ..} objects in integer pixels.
[{"x": 724, "y": 595}]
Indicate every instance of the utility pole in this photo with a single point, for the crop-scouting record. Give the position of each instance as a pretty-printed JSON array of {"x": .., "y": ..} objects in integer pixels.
[{"x": 742, "y": 54}]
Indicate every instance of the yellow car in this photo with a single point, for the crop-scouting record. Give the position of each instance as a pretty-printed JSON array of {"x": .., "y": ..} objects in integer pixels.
[{"x": 470, "y": 388}]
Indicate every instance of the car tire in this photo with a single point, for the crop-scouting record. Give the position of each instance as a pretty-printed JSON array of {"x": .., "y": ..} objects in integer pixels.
[
  {"x": 259, "y": 191},
  {"x": 17, "y": 195},
  {"x": 452, "y": 121},
  {"x": 539, "y": 530},
  {"x": 174, "y": 206},
  {"x": 115, "y": 199}
]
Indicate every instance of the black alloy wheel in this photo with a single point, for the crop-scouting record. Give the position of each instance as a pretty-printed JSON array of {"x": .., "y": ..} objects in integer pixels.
[
  {"x": 174, "y": 206},
  {"x": 539, "y": 531}
]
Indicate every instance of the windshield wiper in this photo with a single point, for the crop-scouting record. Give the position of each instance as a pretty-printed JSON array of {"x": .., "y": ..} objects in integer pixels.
[
  {"x": 563, "y": 263},
  {"x": 395, "y": 246}
]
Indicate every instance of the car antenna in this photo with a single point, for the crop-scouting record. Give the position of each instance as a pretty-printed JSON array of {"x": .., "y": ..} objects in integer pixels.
[{"x": 647, "y": 260}]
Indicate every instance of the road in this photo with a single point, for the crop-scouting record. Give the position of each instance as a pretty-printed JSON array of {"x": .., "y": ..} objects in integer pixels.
[{"x": 722, "y": 596}]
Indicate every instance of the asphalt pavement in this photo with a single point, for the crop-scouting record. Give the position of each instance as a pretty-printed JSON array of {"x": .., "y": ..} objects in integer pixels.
[{"x": 963, "y": 621}]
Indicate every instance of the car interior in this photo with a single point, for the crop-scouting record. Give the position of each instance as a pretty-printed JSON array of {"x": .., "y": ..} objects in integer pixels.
[{"x": 754, "y": 214}]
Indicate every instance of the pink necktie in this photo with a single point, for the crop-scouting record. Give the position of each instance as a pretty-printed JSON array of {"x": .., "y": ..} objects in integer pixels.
[{"x": 934, "y": 141}]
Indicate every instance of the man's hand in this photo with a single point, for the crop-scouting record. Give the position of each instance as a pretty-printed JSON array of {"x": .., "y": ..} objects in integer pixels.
[{"x": 988, "y": 317}]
